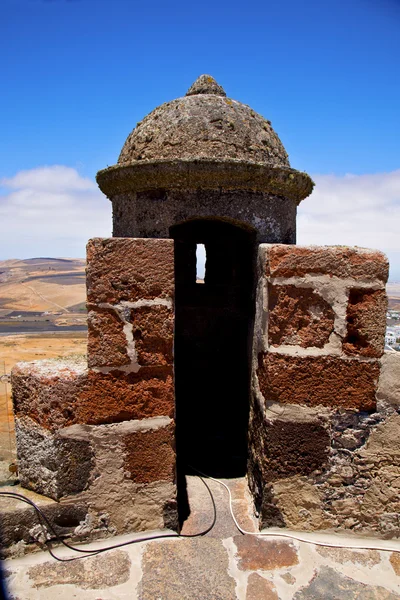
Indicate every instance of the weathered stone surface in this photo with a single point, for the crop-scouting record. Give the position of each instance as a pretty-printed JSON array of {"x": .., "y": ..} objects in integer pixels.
[
  {"x": 47, "y": 391},
  {"x": 129, "y": 269},
  {"x": 153, "y": 332},
  {"x": 115, "y": 397},
  {"x": 94, "y": 573},
  {"x": 59, "y": 394},
  {"x": 389, "y": 379},
  {"x": 193, "y": 568},
  {"x": 256, "y": 552},
  {"x": 107, "y": 343},
  {"x": 344, "y": 555},
  {"x": 324, "y": 380},
  {"x": 298, "y": 316},
  {"x": 204, "y": 126},
  {"x": 19, "y": 522},
  {"x": 288, "y": 577},
  {"x": 113, "y": 494},
  {"x": 366, "y": 322},
  {"x": 49, "y": 464},
  {"x": 273, "y": 215},
  {"x": 300, "y": 504},
  {"x": 339, "y": 261},
  {"x": 291, "y": 448},
  {"x": 259, "y": 588},
  {"x": 395, "y": 562},
  {"x": 150, "y": 456},
  {"x": 201, "y": 513},
  {"x": 331, "y": 585},
  {"x": 205, "y": 84}
]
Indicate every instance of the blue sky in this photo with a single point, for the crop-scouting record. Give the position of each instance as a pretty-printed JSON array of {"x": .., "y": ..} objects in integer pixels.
[{"x": 77, "y": 75}]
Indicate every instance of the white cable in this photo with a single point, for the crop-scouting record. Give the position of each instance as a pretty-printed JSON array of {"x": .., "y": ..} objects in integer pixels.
[{"x": 299, "y": 538}]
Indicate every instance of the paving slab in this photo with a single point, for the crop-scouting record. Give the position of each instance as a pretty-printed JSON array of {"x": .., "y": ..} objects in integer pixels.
[{"x": 223, "y": 565}]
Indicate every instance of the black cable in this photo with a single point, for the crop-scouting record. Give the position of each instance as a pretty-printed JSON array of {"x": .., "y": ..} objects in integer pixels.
[{"x": 44, "y": 522}]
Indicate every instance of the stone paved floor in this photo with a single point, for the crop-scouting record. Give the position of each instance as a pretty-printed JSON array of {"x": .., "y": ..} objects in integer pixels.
[{"x": 224, "y": 565}]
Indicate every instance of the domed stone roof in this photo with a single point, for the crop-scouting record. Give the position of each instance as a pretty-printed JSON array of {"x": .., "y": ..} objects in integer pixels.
[{"x": 204, "y": 124}]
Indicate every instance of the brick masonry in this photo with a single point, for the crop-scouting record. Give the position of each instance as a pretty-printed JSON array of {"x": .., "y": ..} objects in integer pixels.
[
  {"x": 322, "y": 391},
  {"x": 85, "y": 428},
  {"x": 324, "y": 401}
]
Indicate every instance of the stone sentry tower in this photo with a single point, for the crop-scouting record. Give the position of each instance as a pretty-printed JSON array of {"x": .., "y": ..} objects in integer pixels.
[
  {"x": 205, "y": 169},
  {"x": 270, "y": 366}
]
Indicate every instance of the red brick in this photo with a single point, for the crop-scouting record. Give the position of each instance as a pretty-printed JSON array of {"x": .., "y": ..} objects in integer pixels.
[
  {"x": 298, "y": 316},
  {"x": 107, "y": 345},
  {"x": 129, "y": 269},
  {"x": 321, "y": 380},
  {"x": 150, "y": 455},
  {"x": 340, "y": 261},
  {"x": 366, "y": 322}
]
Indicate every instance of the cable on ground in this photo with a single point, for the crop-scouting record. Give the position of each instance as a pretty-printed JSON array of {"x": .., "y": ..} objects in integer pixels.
[
  {"x": 47, "y": 526},
  {"x": 45, "y": 523},
  {"x": 292, "y": 536}
]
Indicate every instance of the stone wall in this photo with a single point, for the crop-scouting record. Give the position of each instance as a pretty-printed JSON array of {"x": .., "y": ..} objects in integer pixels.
[
  {"x": 325, "y": 398},
  {"x": 151, "y": 213},
  {"x": 101, "y": 432}
]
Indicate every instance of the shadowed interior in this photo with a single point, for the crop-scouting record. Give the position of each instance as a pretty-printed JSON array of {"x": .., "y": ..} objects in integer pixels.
[{"x": 213, "y": 324}]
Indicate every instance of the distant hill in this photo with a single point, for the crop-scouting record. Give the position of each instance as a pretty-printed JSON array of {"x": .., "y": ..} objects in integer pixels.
[
  {"x": 393, "y": 292},
  {"x": 42, "y": 284},
  {"x": 59, "y": 285}
]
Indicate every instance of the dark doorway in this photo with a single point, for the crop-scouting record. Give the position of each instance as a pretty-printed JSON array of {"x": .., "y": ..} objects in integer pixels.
[{"x": 212, "y": 348}]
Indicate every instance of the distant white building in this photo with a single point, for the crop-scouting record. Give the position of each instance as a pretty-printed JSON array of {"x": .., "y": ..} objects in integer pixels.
[{"x": 390, "y": 338}]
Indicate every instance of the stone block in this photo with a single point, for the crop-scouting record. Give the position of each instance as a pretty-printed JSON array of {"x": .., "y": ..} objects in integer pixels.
[
  {"x": 330, "y": 584},
  {"x": 124, "y": 485},
  {"x": 107, "y": 342},
  {"x": 49, "y": 464},
  {"x": 259, "y": 588},
  {"x": 149, "y": 455},
  {"x": 126, "y": 269},
  {"x": 255, "y": 553},
  {"x": 299, "y": 504},
  {"x": 195, "y": 568},
  {"x": 114, "y": 397},
  {"x": 335, "y": 261},
  {"x": 56, "y": 394},
  {"x": 389, "y": 379},
  {"x": 95, "y": 573},
  {"x": 318, "y": 380},
  {"x": 153, "y": 333},
  {"x": 293, "y": 448},
  {"x": 19, "y": 522},
  {"x": 366, "y": 322},
  {"x": 298, "y": 316},
  {"x": 47, "y": 391}
]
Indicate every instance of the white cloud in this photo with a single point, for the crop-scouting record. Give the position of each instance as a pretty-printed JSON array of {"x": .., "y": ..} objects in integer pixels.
[
  {"x": 354, "y": 210},
  {"x": 51, "y": 211}
]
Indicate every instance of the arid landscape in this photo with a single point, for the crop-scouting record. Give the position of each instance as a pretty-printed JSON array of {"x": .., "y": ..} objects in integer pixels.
[
  {"x": 393, "y": 292},
  {"x": 42, "y": 315}
]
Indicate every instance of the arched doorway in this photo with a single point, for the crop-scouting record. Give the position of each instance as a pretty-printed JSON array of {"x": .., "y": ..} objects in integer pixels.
[{"x": 212, "y": 347}]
